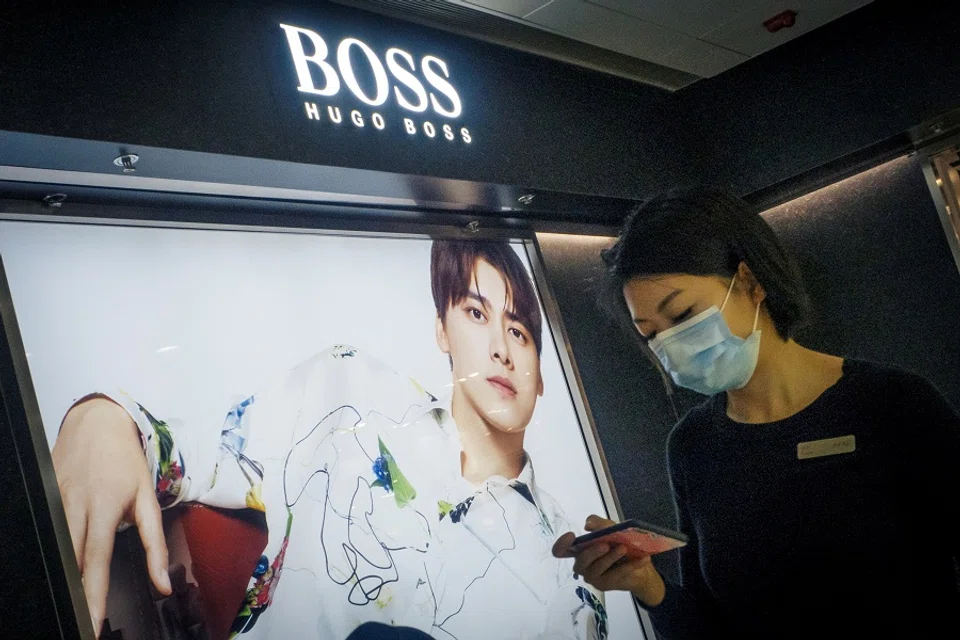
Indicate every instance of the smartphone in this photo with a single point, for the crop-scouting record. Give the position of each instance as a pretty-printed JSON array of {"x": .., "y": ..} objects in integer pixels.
[{"x": 640, "y": 538}]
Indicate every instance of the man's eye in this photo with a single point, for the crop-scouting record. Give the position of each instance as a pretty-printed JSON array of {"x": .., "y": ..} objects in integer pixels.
[
  {"x": 476, "y": 314},
  {"x": 518, "y": 335}
]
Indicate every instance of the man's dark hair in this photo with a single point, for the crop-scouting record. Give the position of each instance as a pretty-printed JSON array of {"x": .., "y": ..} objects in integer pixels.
[
  {"x": 705, "y": 232},
  {"x": 452, "y": 266}
]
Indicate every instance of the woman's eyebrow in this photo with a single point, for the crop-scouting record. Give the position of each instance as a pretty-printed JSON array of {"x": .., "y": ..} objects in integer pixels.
[
  {"x": 663, "y": 303},
  {"x": 670, "y": 296}
]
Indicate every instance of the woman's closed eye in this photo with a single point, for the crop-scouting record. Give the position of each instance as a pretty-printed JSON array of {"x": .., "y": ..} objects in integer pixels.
[
  {"x": 673, "y": 322},
  {"x": 683, "y": 316}
]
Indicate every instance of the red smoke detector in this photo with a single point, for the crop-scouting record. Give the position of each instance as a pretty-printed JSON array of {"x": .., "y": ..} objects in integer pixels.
[{"x": 783, "y": 20}]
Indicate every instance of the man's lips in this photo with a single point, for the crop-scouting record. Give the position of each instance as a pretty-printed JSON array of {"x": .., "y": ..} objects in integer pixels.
[{"x": 503, "y": 386}]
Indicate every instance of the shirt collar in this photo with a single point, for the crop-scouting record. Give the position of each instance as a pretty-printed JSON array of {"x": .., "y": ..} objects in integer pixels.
[{"x": 526, "y": 475}]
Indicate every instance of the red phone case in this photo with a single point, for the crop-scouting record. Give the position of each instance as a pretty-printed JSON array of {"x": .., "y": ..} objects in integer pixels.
[{"x": 639, "y": 540}]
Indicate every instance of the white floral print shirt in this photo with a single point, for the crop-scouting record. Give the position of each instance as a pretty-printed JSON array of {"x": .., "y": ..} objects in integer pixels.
[{"x": 357, "y": 470}]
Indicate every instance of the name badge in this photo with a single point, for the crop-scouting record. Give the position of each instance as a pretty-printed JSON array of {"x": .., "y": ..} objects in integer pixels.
[{"x": 826, "y": 447}]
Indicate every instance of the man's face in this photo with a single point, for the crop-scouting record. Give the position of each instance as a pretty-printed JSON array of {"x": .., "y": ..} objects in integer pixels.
[{"x": 496, "y": 367}]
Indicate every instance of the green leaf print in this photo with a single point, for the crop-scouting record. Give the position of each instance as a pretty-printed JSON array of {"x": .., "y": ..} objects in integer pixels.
[
  {"x": 444, "y": 507},
  {"x": 403, "y": 491},
  {"x": 164, "y": 439}
]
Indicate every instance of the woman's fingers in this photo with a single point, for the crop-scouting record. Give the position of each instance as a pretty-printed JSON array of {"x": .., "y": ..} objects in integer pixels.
[
  {"x": 561, "y": 547},
  {"x": 595, "y": 572},
  {"x": 588, "y": 556},
  {"x": 595, "y": 522}
]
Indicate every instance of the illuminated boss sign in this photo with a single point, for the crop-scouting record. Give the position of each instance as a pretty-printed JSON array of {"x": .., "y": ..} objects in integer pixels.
[{"x": 433, "y": 107}]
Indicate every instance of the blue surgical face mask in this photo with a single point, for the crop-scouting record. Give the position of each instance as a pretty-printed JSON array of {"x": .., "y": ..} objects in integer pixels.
[{"x": 701, "y": 354}]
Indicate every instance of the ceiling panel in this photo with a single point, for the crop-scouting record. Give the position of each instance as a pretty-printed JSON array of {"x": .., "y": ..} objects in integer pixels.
[
  {"x": 745, "y": 33},
  {"x": 516, "y": 8},
  {"x": 702, "y": 58},
  {"x": 632, "y": 36},
  {"x": 606, "y": 28},
  {"x": 691, "y": 39},
  {"x": 690, "y": 17}
]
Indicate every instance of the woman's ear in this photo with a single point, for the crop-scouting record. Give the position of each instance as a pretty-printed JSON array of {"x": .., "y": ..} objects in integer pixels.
[{"x": 750, "y": 284}]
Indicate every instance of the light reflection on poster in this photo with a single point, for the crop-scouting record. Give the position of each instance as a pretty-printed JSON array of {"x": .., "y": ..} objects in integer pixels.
[{"x": 346, "y": 434}]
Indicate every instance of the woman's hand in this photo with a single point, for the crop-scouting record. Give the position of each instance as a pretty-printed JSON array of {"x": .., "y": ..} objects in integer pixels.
[
  {"x": 104, "y": 480},
  {"x": 607, "y": 568}
]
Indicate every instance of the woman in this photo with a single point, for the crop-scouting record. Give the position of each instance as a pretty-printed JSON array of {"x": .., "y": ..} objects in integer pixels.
[{"x": 820, "y": 494}]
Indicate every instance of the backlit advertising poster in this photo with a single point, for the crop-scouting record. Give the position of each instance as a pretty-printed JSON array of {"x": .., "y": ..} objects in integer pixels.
[{"x": 326, "y": 436}]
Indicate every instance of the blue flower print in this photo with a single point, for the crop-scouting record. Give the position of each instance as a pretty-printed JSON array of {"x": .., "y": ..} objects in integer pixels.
[
  {"x": 261, "y": 567},
  {"x": 601, "y": 613},
  {"x": 382, "y": 471},
  {"x": 232, "y": 433}
]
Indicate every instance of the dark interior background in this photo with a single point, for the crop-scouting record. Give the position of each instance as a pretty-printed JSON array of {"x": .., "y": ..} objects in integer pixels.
[
  {"x": 35, "y": 607},
  {"x": 853, "y": 84},
  {"x": 884, "y": 284}
]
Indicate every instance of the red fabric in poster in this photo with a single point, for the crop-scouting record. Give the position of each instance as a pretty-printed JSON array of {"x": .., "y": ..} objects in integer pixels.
[{"x": 225, "y": 547}]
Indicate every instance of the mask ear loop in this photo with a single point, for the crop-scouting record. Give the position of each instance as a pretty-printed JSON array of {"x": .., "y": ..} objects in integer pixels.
[
  {"x": 729, "y": 291},
  {"x": 756, "y": 316}
]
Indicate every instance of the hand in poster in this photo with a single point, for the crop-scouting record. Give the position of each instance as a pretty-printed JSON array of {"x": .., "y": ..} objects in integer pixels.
[
  {"x": 607, "y": 568},
  {"x": 104, "y": 481}
]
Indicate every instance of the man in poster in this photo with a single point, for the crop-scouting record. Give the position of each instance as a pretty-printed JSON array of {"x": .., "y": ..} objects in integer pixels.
[{"x": 383, "y": 504}]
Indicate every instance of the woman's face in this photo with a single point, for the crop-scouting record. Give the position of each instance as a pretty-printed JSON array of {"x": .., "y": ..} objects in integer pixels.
[{"x": 657, "y": 303}]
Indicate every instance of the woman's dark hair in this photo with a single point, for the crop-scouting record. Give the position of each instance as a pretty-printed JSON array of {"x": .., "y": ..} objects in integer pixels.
[{"x": 705, "y": 232}]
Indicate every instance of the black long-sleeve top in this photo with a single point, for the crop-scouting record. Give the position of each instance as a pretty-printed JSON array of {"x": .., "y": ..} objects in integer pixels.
[{"x": 851, "y": 545}]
